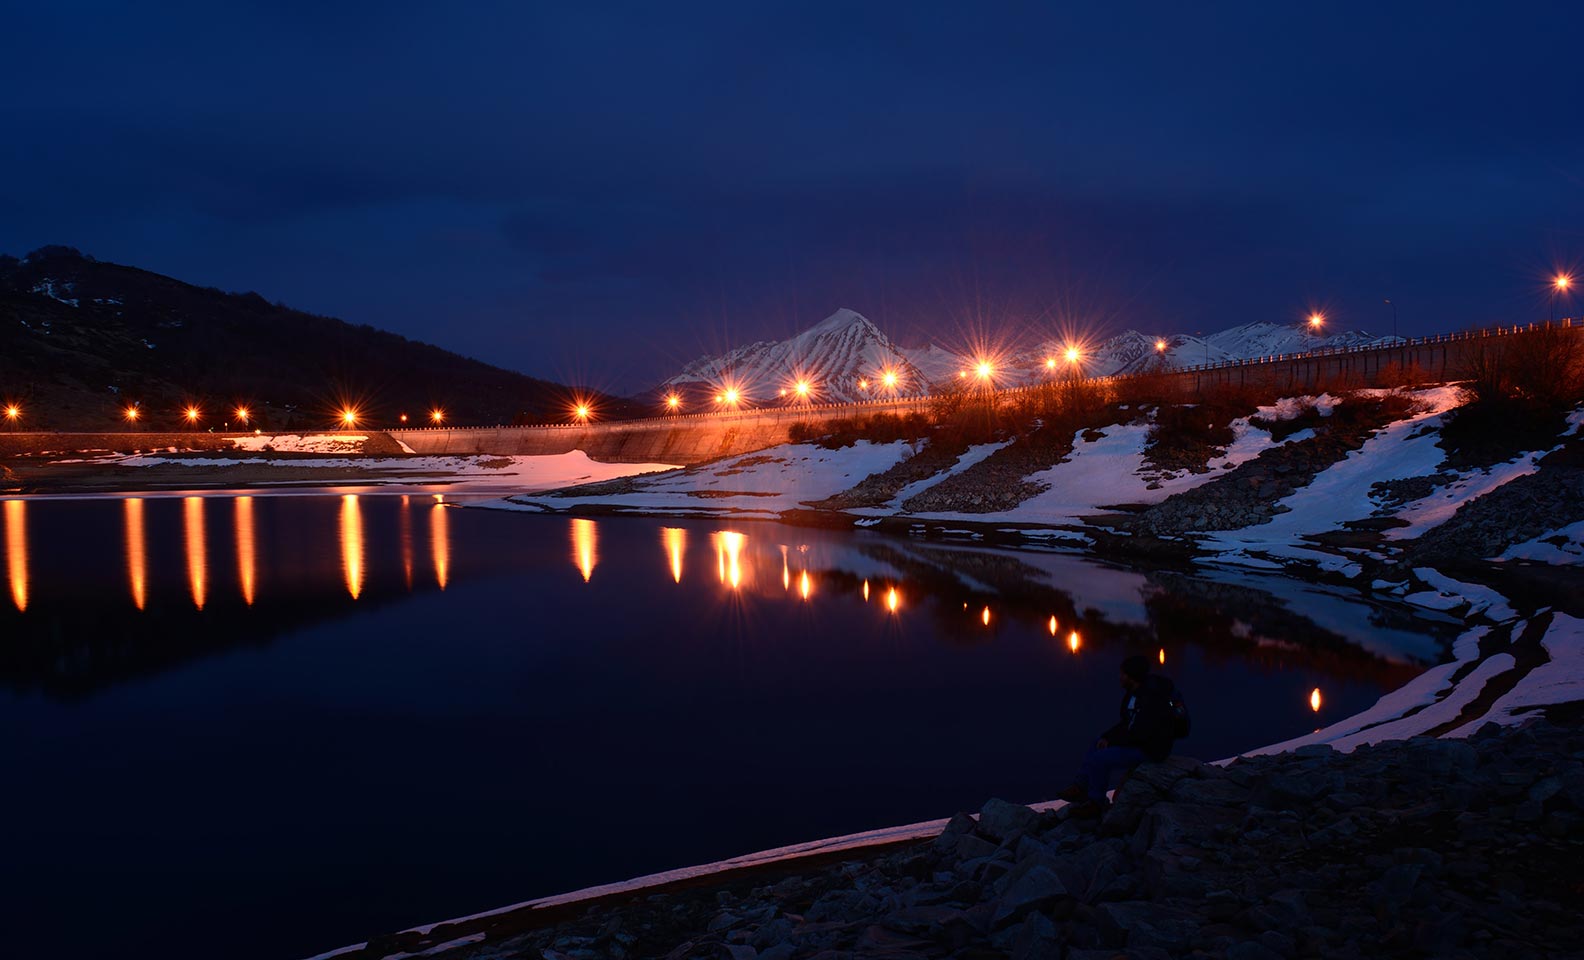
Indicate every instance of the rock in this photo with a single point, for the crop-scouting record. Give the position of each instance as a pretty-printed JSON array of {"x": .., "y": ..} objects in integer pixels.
[
  {"x": 1038, "y": 888},
  {"x": 1219, "y": 792},
  {"x": 1145, "y": 924},
  {"x": 971, "y": 847},
  {"x": 1003, "y": 820},
  {"x": 1035, "y": 940},
  {"x": 1251, "y": 950},
  {"x": 959, "y": 825}
]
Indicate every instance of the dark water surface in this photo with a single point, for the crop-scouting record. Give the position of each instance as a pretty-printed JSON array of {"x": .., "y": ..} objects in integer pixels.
[{"x": 269, "y": 726}]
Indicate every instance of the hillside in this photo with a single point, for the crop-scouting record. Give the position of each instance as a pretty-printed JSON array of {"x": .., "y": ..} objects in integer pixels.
[{"x": 80, "y": 340}]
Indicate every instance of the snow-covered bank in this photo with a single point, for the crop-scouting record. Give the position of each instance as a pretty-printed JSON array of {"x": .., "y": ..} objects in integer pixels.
[{"x": 483, "y": 475}]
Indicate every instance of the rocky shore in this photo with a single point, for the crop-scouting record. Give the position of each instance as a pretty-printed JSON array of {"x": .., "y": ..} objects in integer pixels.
[{"x": 1419, "y": 848}]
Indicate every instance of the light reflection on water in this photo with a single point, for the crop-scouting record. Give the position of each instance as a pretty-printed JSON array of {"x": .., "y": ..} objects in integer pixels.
[
  {"x": 585, "y": 547},
  {"x": 197, "y": 549},
  {"x": 17, "y": 551},
  {"x": 352, "y": 544},
  {"x": 440, "y": 542},
  {"x": 246, "y": 549},
  {"x": 136, "y": 550},
  {"x": 675, "y": 540}
]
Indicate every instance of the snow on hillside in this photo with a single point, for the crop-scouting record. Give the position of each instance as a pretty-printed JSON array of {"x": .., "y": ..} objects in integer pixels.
[
  {"x": 834, "y": 356},
  {"x": 846, "y": 348}
]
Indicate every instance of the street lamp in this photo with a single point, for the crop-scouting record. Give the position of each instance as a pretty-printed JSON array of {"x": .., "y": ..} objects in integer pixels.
[
  {"x": 889, "y": 378},
  {"x": 673, "y": 403},
  {"x": 13, "y": 413},
  {"x": 349, "y": 418},
  {"x": 436, "y": 416},
  {"x": 242, "y": 415},
  {"x": 1316, "y": 320},
  {"x": 582, "y": 411},
  {"x": 132, "y": 413},
  {"x": 192, "y": 416},
  {"x": 802, "y": 388},
  {"x": 1559, "y": 285}
]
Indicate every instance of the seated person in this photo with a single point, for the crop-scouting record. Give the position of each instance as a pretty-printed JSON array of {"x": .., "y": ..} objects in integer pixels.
[{"x": 1151, "y": 717}]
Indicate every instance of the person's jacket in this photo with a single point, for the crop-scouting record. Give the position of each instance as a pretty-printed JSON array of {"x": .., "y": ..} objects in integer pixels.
[{"x": 1146, "y": 718}]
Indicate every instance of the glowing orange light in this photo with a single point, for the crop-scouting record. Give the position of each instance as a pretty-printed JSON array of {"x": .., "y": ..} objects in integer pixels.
[
  {"x": 349, "y": 416},
  {"x": 893, "y": 600},
  {"x": 132, "y": 413},
  {"x": 242, "y": 414},
  {"x": 1314, "y": 700},
  {"x": 1563, "y": 281},
  {"x": 435, "y": 416},
  {"x": 805, "y": 585},
  {"x": 197, "y": 550},
  {"x": 136, "y": 552},
  {"x": 728, "y": 557},
  {"x": 1074, "y": 641},
  {"x": 802, "y": 388},
  {"x": 402, "y": 418},
  {"x": 673, "y": 401},
  {"x": 1073, "y": 354},
  {"x": 961, "y": 374},
  {"x": 440, "y": 542},
  {"x": 1050, "y": 363},
  {"x": 731, "y": 395},
  {"x": 675, "y": 540},
  {"x": 1160, "y": 346},
  {"x": 863, "y": 384},
  {"x": 984, "y": 616},
  {"x": 983, "y": 369},
  {"x": 17, "y": 551},
  {"x": 582, "y": 411},
  {"x": 13, "y": 411},
  {"x": 585, "y": 547},
  {"x": 1316, "y": 319},
  {"x": 1163, "y": 656},
  {"x": 1052, "y": 625},
  {"x": 889, "y": 378},
  {"x": 352, "y": 544},
  {"x": 192, "y": 414},
  {"x": 247, "y": 560},
  {"x": 866, "y": 591}
]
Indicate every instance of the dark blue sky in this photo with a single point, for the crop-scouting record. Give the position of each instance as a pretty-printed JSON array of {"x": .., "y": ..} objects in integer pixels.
[{"x": 600, "y": 193}]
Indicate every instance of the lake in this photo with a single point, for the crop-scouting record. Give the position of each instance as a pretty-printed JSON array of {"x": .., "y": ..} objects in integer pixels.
[{"x": 265, "y": 726}]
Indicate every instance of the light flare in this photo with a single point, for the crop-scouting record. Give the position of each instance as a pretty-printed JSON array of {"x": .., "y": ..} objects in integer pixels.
[
  {"x": 866, "y": 591},
  {"x": 893, "y": 600},
  {"x": 984, "y": 616},
  {"x": 1074, "y": 641},
  {"x": 805, "y": 585},
  {"x": 1052, "y": 625},
  {"x": 1314, "y": 700},
  {"x": 435, "y": 416}
]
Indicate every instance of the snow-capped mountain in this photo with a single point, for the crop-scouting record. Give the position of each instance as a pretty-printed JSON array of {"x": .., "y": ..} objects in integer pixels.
[
  {"x": 845, "y": 349},
  {"x": 836, "y": 357}
]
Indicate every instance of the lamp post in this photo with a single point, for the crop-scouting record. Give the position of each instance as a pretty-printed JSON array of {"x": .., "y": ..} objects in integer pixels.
[
  {"x": 1394, "y": 317},
  {"x": 1559, "y": 285}
]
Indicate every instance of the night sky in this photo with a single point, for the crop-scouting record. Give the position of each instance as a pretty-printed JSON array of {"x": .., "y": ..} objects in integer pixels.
[{"x": 600, "y": 193}]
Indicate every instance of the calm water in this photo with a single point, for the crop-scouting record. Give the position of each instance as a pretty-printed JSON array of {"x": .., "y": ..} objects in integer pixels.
[{"x": 268, "y": 726}]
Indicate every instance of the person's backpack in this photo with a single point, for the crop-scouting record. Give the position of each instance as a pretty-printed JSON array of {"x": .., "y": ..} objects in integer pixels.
[{"x": 1181, "y": 722}]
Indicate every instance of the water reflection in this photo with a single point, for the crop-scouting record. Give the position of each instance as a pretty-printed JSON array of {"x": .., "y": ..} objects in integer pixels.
[
  {"x": 246, "y": 548},
  {"x": 440, "y": 542},
  {"x": 136, "y": 550},
  {"x": 352, "y": 544},
  {"x": 729, "y": 557},
  {"x": 675, "y": 540},
  {"x": 893, "y": 600},
  {"x": 17, "y": 551},
  {"x": 197, "y": 549},
  {"x": 404, "y": 536},
  {"x": 805, "y": 585},
  {"x": 585, "y": 547}
]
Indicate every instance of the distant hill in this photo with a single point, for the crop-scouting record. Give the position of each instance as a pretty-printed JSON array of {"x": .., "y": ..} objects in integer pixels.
[
  {"x": 843, "y": 352},
  {"x": 81, "y": 339}
]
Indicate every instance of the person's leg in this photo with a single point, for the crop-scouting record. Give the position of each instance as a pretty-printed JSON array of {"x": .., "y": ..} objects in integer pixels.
[{"x": 1101, "y": 762}]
